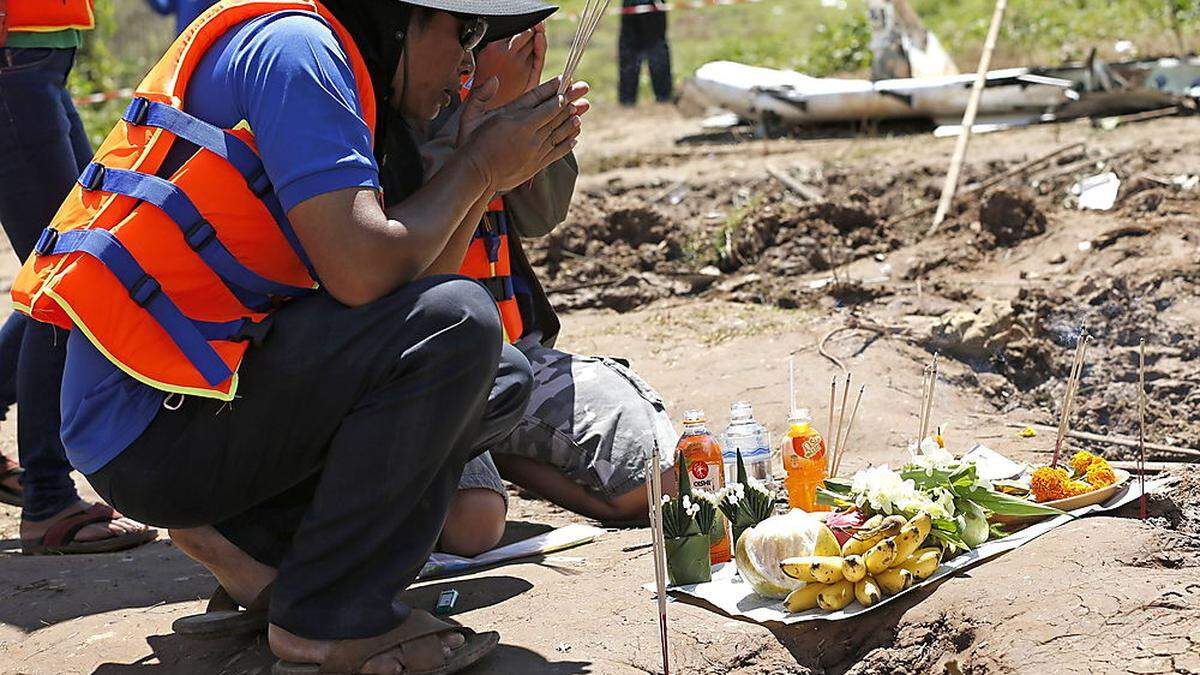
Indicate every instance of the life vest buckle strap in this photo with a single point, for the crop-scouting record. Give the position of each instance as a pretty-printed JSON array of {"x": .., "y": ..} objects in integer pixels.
[
  {"x": 253, "y": 332},
  {"x": 46, "y": 241},
  {"x": 92, "y": 177},
  {"x": 137, "y": 110},
  {"x": 199, "y": 234},
  {"x": 144, "y": 290},
  {"x": 259, "y": 183}
]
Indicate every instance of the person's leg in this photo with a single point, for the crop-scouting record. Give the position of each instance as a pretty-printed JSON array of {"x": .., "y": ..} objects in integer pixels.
[
  {"x": 384, "y": 403},
  {"x": 476, "y": 523},
  {"x": 11, "y": 334},
  {"x": 628, "y": 65},
  {"x": 10, "y": 351},
  {"x": 587, "y": 435},
  {"x": 659, "y": 56},
  {"x": 38, "y": 170}
]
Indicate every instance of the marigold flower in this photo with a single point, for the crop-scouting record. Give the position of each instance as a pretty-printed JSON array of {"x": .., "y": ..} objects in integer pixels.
[
  {"x": 1100, "y": 474},
  {"x": 1048, "y": 484},
  {"x": 1083, "y": 460}
]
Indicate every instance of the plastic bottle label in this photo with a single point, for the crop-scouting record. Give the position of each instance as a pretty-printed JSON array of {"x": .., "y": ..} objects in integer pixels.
[
  {"x": 811, "y": 446},
  {"x": 705, "y": 476}
]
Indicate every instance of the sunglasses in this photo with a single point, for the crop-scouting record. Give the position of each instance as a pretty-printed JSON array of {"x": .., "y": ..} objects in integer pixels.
[{"x": 473, "y": 30}]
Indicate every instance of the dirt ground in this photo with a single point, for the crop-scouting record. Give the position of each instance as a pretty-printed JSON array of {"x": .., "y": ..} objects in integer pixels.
[{"x": 689, "y": 260}]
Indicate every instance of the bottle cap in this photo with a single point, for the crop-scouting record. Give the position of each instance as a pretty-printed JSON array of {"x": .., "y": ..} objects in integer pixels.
[
  {"x": 800, "y": 416},
  {"x": 740, "y": 411},
  {"x": 694, "y": 416}
]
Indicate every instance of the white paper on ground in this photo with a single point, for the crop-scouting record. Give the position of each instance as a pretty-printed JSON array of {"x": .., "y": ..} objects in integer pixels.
[
  {"x": 568, "y": 536},
  {"x": 731, "y": 595}
]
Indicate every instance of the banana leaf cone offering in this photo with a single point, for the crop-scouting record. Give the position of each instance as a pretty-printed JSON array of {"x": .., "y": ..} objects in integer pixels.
[
  {"x": 686, "y": 543},
  {"x": 745, "y": 503}
]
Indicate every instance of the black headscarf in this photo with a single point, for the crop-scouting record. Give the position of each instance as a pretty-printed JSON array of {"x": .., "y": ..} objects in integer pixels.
[{"x": 379, "y": 28}]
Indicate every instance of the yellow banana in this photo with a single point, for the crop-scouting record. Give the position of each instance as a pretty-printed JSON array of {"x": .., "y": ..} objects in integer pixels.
[
  {"x": 864, "y": 539},
  {"x": 803, "y": 598},
  {"x": 907, "y": 542},
  {"x": 873, "y": 522},
  {"x": 894, "y": 580},
  {"x": 811, "y": 568},
  {"x": 853, "y": 568},
  {"x": 928, "y": 549},
  {"x": 881, "y": 555},
  {"x": 827, "y": 544},
  {"x": 923, "y": 522},
  {"x": 867, "y": 592},
  {"x": 922, "y": 566},
  {"x": 835, "y": 597}
]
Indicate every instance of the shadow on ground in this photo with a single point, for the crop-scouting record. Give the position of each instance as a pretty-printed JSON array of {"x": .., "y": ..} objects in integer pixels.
[{"x": 46, "y": 590}]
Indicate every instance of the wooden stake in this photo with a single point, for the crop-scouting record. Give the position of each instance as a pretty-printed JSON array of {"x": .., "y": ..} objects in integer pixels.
[
  {"x": 1142, "y": 510},
  {"x": 968, "y": 121},
  {"x": 1122, "y": 441}
]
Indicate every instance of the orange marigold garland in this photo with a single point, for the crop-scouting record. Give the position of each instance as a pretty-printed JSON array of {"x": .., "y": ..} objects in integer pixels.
[
  {"x": 1083, "y": 460},
  {"x": 1048, "y": 484}
]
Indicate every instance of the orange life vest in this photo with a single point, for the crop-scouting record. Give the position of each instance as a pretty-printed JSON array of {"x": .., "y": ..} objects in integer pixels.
[
  {"x": 487, "y": 260},
  {"x": 42, "y": 16},
  {"x": 171, "y": 276}
]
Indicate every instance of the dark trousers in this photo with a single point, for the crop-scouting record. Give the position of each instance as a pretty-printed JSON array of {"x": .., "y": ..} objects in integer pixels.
[
  {"x": 43, "y": 148},
  {"x": 643, "y": 38},
  {"x": 338, "y": 459}
]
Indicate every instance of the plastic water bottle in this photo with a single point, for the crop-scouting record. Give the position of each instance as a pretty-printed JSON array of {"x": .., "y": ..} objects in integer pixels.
[{"x": 746, "y": 434}]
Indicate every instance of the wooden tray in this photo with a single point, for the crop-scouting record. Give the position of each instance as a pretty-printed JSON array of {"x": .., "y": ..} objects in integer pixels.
[{"x": 1071, "y": 503}]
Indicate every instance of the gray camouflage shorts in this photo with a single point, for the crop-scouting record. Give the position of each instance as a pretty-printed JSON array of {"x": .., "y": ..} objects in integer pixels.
[{"x": 591, "y": 417}]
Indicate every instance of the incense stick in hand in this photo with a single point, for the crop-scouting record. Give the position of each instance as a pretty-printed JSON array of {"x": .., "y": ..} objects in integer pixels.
[{"x": 589, "y": 20}]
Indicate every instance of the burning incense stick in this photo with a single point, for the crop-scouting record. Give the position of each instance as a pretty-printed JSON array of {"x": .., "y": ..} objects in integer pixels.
[
  {"x": 589, "y": 20},
  {"x": 791, "y": 385},
  {"x": 830, "y": 441},
  {"x": 841, "y": 447},
  {"x": 933, "y": 375},
  {"x": 837, "y": 435},
  {"x": 1069, "y": 396},
  {"x": 1142, "y": 427},
  {"x": 654, "y": 478}
]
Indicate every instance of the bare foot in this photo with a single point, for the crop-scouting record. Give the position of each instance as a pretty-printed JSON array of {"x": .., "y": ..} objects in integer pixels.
[
  {"x": 94, "y": 532},
  {"x": 292, "y": 647},
  {"x": 242, "y": 576}
]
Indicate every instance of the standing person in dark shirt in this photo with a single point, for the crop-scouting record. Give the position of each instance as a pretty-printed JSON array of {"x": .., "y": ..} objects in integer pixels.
[{"x": 643, "y": 38}]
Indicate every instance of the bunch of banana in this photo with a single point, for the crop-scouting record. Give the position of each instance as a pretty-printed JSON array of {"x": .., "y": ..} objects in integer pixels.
[{"x": 882, "y": 559}]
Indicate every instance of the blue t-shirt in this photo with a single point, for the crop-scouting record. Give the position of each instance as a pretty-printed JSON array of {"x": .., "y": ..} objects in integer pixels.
[{"x": 284, "y": 74}]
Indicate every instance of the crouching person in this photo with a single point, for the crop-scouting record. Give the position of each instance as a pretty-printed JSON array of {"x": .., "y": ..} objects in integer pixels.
[
  {"x": 263, "y": 357},
  {"x": 587, "y": 432}
]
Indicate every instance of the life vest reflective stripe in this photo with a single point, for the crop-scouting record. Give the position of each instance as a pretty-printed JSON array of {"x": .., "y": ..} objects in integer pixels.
[
  {"x": 170, "y": 275},
  {"x": 43, "y": 16},
  {"x": 487, "y": 260}
]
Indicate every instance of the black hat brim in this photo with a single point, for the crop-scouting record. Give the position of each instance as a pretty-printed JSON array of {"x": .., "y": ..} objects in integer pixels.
[{"x": 505, "y": 17}]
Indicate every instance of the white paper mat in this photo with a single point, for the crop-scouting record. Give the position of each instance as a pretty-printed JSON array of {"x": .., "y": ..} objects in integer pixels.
[
  {"x": 568, "y": 536},
  {"x": 734, "y": 597}
]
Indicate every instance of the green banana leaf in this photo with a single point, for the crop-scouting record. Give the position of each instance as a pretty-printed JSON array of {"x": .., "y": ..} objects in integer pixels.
[{"x": 1008, "y": 505}]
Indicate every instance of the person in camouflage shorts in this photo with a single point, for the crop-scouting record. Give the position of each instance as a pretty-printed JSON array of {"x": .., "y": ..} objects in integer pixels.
[{"x": 591, "y": 422}]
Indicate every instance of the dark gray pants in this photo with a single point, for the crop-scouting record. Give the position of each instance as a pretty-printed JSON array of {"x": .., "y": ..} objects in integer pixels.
[{"x": 339, "y": 458}]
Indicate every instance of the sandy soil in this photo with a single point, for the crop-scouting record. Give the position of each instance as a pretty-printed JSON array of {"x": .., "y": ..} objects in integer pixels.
[{"x": 712, "y": 268}]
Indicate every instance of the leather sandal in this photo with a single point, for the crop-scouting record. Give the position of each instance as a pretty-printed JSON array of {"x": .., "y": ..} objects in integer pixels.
[
  {"x": 60, "y": 538},
  {"x": 421, "y": 650},
  {"x": 224, "y": 617},
  {"x": 8, "y": 495}
]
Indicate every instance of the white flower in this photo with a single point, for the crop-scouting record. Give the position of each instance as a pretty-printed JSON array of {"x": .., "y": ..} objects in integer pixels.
[
  {"x": 930, "y": 456},
  {"x": 884, "y": 490},
  {"x": 687, "y": 503},
  {"x": 666, "y": 499}
]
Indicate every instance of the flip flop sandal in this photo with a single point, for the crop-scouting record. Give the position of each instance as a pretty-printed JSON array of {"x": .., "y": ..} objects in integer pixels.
[
  {"x": 8, "y": 495},
  {"x": 224, "y": 617},
  {"x": 60, "y": 538},
  {"x": 420, "y": 641}
]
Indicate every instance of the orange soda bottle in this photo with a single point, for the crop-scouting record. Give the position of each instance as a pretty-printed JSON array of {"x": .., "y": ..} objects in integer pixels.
[
  {"x": 803, "y": 455},
  {"x": 706, "y": 470}
]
